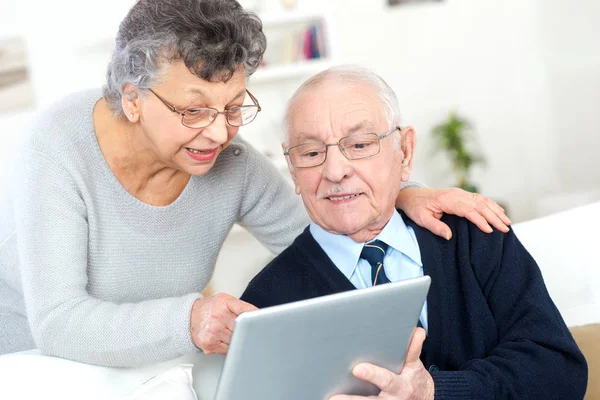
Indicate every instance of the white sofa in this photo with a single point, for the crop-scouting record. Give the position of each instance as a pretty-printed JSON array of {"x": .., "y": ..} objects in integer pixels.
[
  {"x": 563, "y": 244},
  {"x": 565, "y": 247}
]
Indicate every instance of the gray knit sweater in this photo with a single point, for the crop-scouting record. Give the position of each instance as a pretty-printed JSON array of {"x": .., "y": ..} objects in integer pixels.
[{"x": 105, "y": 278}]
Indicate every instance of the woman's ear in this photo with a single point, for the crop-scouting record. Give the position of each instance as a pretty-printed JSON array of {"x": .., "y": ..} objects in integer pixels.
[{"x": 130, "y": 102}]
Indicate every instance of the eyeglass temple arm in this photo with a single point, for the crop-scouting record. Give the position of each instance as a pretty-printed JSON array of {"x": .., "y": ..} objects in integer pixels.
[
  {"x": 392, "y": 131},
  {"x": 166, "y": 103},
  {"x": 254, "y": 99}
]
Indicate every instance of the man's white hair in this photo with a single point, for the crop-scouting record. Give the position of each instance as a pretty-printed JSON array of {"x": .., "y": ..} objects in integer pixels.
[{"x": 352, "y": 75}]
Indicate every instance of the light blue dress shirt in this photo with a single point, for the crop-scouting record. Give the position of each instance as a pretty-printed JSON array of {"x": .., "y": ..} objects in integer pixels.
[{"x": 402, "y": 259}]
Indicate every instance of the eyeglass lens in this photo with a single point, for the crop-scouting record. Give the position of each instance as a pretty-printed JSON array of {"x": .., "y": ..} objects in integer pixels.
[
  {"x": 354, "y": 147},
  {"x": 236, "y": 116}
]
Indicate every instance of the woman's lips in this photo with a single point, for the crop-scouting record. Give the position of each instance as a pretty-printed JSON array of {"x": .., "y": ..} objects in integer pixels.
[{"x": 202, "y": 155}]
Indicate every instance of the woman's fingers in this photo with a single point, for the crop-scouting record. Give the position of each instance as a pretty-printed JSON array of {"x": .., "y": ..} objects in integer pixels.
[
  {"x": 212, "y": 321},
  {"x": 434, "y": 225}
]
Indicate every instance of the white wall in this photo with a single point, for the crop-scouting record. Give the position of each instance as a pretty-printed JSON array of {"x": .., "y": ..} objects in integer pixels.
[
  {"x": 571, "y": 51},
  {"x": 8, "y": 20},
  {"x": 526, "y": 72},
  {"x": 479, "y": 57},
  {"x": 70, "y": 50}
]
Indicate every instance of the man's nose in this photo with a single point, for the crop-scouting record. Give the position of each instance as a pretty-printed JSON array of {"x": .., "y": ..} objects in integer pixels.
[
  {"x": 336, "y": 167},
  {"x": 217, "y": 131}
]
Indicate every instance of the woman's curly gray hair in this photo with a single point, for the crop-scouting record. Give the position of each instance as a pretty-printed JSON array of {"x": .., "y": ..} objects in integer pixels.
[{"x": 212, "y": 37}]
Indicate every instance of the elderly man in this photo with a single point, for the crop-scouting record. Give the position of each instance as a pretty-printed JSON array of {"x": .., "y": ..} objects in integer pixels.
[{"x": 492, "y": 329}]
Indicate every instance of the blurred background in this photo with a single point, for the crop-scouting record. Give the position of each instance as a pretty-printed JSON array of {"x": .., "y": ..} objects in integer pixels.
[{"x": 507, "y": 91}]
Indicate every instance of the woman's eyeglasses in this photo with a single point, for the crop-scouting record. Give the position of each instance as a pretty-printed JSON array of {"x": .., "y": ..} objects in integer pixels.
[{"x": 197, "y": 118}]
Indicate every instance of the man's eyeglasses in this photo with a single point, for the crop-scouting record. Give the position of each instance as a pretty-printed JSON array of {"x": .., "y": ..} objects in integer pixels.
[
  {"x": 197, "y": 118},
  {"x": 353, "y": 147}
]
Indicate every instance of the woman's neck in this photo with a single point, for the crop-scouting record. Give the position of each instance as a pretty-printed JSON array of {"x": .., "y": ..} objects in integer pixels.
[{"x": 134, "y": 164}]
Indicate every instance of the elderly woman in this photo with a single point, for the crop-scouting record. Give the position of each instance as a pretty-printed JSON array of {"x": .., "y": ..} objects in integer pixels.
[{"x": 122, "y": 200}]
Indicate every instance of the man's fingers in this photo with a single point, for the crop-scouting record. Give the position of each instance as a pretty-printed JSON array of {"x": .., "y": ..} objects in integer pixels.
[
  {"x": 436, "y": 226},
  {"x": 382, "y": 378},
  {"x": 413, "y": 353},
  {"x": 348, "y": 397}
]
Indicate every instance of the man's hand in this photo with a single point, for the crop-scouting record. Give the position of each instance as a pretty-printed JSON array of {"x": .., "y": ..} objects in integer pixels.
[
  {"x": 211, "y": 321},
  {"x": 413, "y": 382},
  {"x": 426, "y": 206}
]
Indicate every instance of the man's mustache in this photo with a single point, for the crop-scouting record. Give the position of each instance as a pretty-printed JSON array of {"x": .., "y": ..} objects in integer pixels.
[{"x": 337, "y": 189}]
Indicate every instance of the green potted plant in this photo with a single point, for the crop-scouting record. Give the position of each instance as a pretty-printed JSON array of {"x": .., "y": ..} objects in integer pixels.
[{"x": 454, "y": 136}]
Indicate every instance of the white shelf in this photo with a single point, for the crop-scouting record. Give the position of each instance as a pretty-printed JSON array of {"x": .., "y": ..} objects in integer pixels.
[
  {"x": 12, "y": 55},
  {"x": 283, "y": 18},
  {"x": 289, "y": 71},
  {"x": 16, "y": 97}
]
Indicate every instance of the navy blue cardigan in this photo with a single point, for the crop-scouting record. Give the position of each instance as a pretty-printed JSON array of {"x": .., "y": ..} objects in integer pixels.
[{"x": 494, "y": 332}]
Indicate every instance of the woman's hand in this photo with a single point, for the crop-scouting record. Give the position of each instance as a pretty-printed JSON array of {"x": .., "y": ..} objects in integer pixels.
[
  {"x": 412, "y": 383},
  {"x": 211, "y": 321},
  {"x": 426, "y": 206}
]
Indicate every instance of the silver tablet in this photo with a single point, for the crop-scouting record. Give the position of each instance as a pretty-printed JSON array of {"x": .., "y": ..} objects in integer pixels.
[{"x": 307, "y": 349}]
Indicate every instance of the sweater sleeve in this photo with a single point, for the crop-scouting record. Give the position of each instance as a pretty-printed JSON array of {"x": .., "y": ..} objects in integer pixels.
[
  {"x": 65, "y": 320},
  {"x": 536, "y": 357}
]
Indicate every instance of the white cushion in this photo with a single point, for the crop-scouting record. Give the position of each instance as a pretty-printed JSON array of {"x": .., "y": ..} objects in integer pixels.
[
  {"x": 565, "y": 247},
  {"x": 30, "y": 375},
  {"x": 174, "y": 384}
]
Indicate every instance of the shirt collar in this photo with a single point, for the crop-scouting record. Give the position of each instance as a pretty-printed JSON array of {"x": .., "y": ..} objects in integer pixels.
[
  {"x": 345, "y": 252},
  {"x": 397, "y": 235}
]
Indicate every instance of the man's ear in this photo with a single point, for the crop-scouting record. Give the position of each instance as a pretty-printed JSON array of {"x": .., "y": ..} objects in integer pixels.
[
  {"x": 130, "y": 102},
  {"x": 408, "y": 142},
  {"x": 292, "y": 170}
]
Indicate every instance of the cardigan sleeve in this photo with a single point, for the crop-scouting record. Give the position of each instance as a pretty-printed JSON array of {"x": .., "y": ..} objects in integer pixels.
[{"x": 536, "y": 356}]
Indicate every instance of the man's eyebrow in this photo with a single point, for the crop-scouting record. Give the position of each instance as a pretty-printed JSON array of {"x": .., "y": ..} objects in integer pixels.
[
  {"x": 365, "y": 124},
  {"x": 359, "y": 126},
  {"x": 303, "y": 136}
]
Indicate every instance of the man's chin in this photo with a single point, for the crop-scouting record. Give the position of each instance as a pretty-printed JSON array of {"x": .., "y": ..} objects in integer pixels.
[{"x": 348, "y": 229}]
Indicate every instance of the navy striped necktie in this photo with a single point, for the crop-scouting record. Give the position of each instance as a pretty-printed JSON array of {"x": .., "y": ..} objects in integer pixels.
[{"x": 374, "y": 252}]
